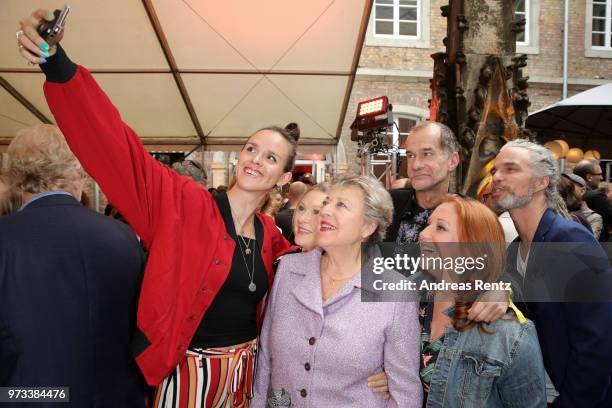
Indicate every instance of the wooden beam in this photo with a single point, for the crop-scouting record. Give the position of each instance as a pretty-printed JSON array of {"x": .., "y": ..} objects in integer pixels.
[
  {"x": 23, "y": 100},
  {"x": 163, "y": 42},
  {"x": 365, "y": 18}
]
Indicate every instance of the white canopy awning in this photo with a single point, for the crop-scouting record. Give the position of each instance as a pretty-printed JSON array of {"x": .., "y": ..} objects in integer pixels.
[{"x": 181, "y": 71}]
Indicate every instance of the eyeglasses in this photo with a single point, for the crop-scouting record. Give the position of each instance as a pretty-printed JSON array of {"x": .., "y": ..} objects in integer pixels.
[{"x": 596, "y": 174}]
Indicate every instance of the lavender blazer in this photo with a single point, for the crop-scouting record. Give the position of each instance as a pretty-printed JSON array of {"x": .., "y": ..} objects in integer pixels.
[{"x": 320, "y": 354}]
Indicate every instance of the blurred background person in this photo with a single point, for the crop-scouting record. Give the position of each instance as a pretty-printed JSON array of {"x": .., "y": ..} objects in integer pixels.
[
  {"x": 567, "y": 191},
  {"x": 492, "y": 365},
  {"x": 590, "y": 171},
  {"x": 272, "y": 203},
  {"x": 572, "y": 189},
  {"x": 308, "y": 179},
  {"x": 317, "y": 326},
  {"x": 191, "y": 169}
]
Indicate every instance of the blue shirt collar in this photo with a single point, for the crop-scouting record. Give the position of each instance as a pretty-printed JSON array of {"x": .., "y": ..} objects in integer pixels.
[{"x": 42, "y": 195}]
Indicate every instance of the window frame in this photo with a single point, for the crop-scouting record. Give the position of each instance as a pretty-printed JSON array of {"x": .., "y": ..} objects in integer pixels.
[
  {"x": 396, "y": 20},
  {"x": 422, "y": 40},
  {"x": 527, "y": 32},
  {"x": 608, "y": 25},
  {"x": 597, "y": 51}
]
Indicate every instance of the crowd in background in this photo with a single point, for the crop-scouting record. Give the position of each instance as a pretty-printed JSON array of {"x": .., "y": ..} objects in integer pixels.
[{"x": 260, "y": 293}]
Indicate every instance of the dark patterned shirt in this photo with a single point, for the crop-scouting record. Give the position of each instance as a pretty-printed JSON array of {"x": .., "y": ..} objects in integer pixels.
[
  {"x": 413, "y": 222},
  {"x": 429, "y": 350}
]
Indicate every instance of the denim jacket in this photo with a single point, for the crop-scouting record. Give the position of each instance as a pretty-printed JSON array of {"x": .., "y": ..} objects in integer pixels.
[{"x": 501, "y": 369}]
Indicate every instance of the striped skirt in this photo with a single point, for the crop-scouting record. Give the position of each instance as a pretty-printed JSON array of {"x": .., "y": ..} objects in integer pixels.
[{"x": 210, "y": 378}]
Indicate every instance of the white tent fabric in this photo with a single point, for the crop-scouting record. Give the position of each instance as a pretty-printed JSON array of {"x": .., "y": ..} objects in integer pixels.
[{"x": 181, "y": 71}]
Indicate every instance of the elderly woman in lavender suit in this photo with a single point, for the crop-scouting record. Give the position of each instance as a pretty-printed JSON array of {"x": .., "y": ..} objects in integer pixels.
[{"x": 319, "y": 341}]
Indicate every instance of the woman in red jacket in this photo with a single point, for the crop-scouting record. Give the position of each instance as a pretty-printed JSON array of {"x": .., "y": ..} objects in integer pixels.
[{"x": 210, "y": 262}]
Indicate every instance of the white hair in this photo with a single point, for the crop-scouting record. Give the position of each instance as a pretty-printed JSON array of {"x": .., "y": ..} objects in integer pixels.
[{"x": 543, "y": 164}]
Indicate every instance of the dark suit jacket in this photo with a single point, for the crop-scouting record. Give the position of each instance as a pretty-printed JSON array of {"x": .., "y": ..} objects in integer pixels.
[
  {"x": 576, "y": 338},
  {"x": 600, "y": 204},
  {"x": 69, "y": 281}
]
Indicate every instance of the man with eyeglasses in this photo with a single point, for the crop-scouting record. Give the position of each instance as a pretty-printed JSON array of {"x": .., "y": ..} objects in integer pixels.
[{"x": 590, "y": 171}]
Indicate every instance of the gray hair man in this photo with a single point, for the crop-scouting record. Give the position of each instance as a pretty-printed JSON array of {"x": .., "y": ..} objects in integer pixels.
[{"x": 576, "y": 338}]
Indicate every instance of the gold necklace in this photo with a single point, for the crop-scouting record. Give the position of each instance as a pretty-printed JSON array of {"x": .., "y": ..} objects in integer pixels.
[
  {"x": 247, "y": 251},
  {"x": 247, "y": 243}
]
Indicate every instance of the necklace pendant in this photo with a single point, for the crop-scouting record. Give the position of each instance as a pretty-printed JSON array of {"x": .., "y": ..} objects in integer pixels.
[
  {"x": 252, "y": 287},
  {"x": 247, "y": 251}
]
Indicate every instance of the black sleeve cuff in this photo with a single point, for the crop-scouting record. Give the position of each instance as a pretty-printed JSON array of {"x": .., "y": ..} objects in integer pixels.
[{"x": 59, "y": 68}]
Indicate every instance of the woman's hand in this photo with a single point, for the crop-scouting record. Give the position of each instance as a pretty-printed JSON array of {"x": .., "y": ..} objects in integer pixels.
[
  {"x": 489, "y": 306},
  {"x": 378, "y": 383},
  {"x": 31, "y": 45}
]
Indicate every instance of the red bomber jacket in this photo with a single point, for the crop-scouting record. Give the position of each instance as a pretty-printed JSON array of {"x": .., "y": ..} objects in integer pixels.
[{"x": 177, "y": 219}]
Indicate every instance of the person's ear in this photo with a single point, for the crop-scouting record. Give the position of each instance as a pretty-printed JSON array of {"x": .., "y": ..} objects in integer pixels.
[
  {"x": 454, "y": 161},
  {"x": 367, "y": 230},
  {"x": 284, "y": 179}
]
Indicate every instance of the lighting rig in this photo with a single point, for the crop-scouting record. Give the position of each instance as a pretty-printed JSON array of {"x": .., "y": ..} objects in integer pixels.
[{"x": 371, "y": 126}]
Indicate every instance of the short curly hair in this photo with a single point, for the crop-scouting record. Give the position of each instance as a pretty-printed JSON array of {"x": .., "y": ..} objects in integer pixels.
[
  {"x": 40, "y": 160},
  {"x": 378, "y": 205}
]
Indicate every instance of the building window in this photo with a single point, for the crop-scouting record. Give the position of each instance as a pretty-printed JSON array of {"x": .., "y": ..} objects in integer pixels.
[
  {"x": 522, "y": 12},
  {"x": 397, "y": 18},
  {"x": 601, "y": 33}
]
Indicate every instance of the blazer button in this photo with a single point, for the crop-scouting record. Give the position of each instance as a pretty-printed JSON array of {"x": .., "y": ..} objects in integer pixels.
[
  {"x": 225, "y": 237},
  {"x": 204, "y": 288},
  {"x": 307, "y": 366},
  {"x": 303, "y": 393},
  {"x": 217, "y": 262},
  {"x": 312, "y": 341}
]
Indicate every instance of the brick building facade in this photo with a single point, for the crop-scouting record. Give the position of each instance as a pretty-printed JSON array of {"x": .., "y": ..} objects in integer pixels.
[{"x": 400, "y": 66}]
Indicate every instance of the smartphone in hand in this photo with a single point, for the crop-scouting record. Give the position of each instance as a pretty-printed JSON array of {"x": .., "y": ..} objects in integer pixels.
[{"x": 49, "y": 29}]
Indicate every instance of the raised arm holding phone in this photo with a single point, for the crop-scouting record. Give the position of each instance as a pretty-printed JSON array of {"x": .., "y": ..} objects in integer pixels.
[{"x": 210, "y": 262}]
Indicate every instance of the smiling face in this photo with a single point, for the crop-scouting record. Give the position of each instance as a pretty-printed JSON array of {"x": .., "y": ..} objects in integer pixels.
[
  {"x": 342, "y": 218},
  {"x": 261, "y": 162},
  {"x": 443, "y": 225},
  {"x": 306, "y": 219},
  {"x": 428, "y": 165},
  {"x": 514, "y": 183}
]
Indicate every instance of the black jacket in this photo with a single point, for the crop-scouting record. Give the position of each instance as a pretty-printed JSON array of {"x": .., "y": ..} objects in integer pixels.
[
  {"x": 403, "y": 200},
  {"x": 69, "y": 283},
  {"x": 600, "y": 204}
]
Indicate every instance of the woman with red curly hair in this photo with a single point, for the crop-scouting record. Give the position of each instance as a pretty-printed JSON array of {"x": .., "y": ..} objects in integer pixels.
[{"x": 465, "y": 363}]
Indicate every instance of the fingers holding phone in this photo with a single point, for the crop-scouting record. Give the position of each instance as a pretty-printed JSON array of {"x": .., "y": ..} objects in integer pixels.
[{"x": 39, "y": 34}]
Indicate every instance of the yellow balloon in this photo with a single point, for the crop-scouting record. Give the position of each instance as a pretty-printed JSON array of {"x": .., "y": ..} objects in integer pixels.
[
  {"x": 564, "y": 146},
  {"x": 592, "y": 154},
  {"x": 574, "y": 155},
  {"x": 555, "y": 148}
]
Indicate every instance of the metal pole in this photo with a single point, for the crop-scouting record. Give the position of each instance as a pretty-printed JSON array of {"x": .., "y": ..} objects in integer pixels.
[{"x": 565, "y": 44}]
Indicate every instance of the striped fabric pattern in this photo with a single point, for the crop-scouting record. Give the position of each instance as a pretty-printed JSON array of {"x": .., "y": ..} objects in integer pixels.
[{"x": 210, "y": 378}]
